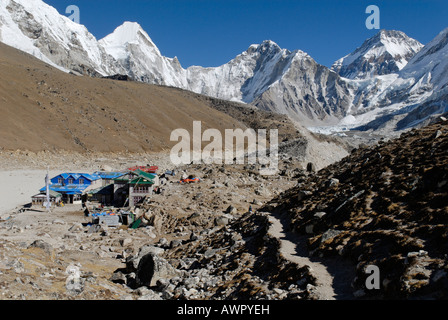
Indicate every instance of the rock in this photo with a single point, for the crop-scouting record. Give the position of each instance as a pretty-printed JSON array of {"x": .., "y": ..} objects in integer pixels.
[
  {"x": 125, "y": 242},
  {"x": 186, "y": 263},
  {"x": 194, "y": 215},
  {"x": 209, "y": 253},
  {"x": 302, "y": 194},
  {"x": 74, "y": 283},
  {"x": 175, "y": 243},
  {"x": 71, "y": 236},
  {"x": 329, "y": 234},
  {"x": 278, "y": 291},
  {"x": 231, "y": 209},
  {"x": 151, "y": 268},
  {"x": 221, "y": 221},
  {"x": 94, "y": 228},
  {"x": 150, "y": 231},
  {"x": 194, "y": 237},
  {"x": 320, "y": 214},
  {"x": 309, "y": 228},
  {"x": 76, "y": 227},
  {"x": 118, "y": 277},
  {"x": 151, "y": 295},
  {"x": 191, "y": 282},
  {"x": 42, "y": 245},
  {"x": 142, "y": 291},
  {"x": 16, "y": 265},
  {"x": 163, "y": 243},
  {"x": 310, "y": 167},
  {"x": 150, "y": 249},
  {"x": 333, "y": 182},
  {"x": 189, "y": 294}
]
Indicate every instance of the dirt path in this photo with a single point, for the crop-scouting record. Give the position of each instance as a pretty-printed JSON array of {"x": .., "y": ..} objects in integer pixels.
[{"x": 333, "y": 276}]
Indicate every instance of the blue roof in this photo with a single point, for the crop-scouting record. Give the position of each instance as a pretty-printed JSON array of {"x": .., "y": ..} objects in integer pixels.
[
  {"x": 76, "y": 176},
  {"x": 68, "y": 189}
]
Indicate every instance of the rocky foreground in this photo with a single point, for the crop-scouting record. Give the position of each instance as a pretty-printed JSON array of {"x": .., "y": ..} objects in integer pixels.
[
  {"x": 384, "y": 205},
  {"x": 203, "y": 242}
]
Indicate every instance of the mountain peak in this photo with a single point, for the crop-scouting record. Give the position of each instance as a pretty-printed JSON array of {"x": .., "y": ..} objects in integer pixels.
[
  {"x": 265, "y": 46},
  {"x": 386, "y": 52},
  {"x": 127, "y": 33}
]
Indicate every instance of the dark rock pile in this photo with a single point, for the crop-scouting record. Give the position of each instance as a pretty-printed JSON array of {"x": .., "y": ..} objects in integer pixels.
[
  {"x": 236, "y": 261},
  {"x": 384, "y": 205}
]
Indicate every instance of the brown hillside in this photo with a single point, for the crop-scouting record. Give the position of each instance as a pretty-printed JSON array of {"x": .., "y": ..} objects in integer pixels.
[{"x": 43, "y": 108}]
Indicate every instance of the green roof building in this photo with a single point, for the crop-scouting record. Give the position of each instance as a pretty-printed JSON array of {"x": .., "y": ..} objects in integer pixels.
[{"x": 133, "y": 187}]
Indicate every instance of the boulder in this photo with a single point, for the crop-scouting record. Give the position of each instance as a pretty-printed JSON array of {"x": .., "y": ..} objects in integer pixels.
[
  {"x": 149, "y": 267},
  {"x": 74, "y": 283},
  {"x": 221, "y": 221},
  {"x": 329, "y": 234},
  {"x": 310, "y": 167},
  {"x": 152, "y": 268},
  {"x": 42, "y": 245},
  {"x": 231, "y": 209}
]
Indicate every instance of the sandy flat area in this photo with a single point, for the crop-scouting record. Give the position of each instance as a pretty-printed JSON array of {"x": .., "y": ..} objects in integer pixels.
[{"x": 18, "y": 186}]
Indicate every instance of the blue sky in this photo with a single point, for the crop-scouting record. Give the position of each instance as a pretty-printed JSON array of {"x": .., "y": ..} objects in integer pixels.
[{"x": 211, "y": 32}]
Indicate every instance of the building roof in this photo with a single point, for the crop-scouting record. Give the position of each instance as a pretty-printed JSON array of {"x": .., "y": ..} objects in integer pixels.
[
  {"x": 145, "y": 175},
  {"x": 138, "y": 177},
  {"x": 76, "y": 176},
  {"x": 141, "y": 181},
  {"x": 150, "y": 169},
  {"x": 67, "y": 189},
  {"x": 110, "y": 175},
  {"x": 137, "y": 174},
  {"x": 103, "y": 190},
  {"x": 53, "y": 194}
]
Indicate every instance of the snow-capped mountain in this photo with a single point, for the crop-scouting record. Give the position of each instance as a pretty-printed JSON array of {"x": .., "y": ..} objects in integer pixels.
[
  {"x": 277, "y": 80},
  {"x": 308, "y": 92},
  {"x": 420, "y": 89},
  {"x": 387, "y": 52},
  {"x": 37, "y": 28},
  {"x": 245, "y": 77},
  {"x": 428, "y": 70},
  {"x": 136, "y": 53},
  {"x": 389, "y": 74}
]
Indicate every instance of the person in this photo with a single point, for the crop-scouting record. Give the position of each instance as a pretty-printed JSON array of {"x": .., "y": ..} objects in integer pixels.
[{"x": 250, "y": 209}]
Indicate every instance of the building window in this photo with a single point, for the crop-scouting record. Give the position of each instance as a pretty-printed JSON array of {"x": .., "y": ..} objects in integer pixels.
[
  {"x": 60, "y": 180},
  {"x": 70, "y": 181},
  {"x": 81, "y": 181}
]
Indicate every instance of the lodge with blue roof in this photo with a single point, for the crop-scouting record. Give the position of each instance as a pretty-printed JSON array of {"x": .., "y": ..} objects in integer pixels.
[
  {"x": 72, "y": 185},
  {"x": 108, "y": 188}
]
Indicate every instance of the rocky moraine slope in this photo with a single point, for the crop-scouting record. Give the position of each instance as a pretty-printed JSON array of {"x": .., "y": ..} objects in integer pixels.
[{"x": 384, "y": 205}]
